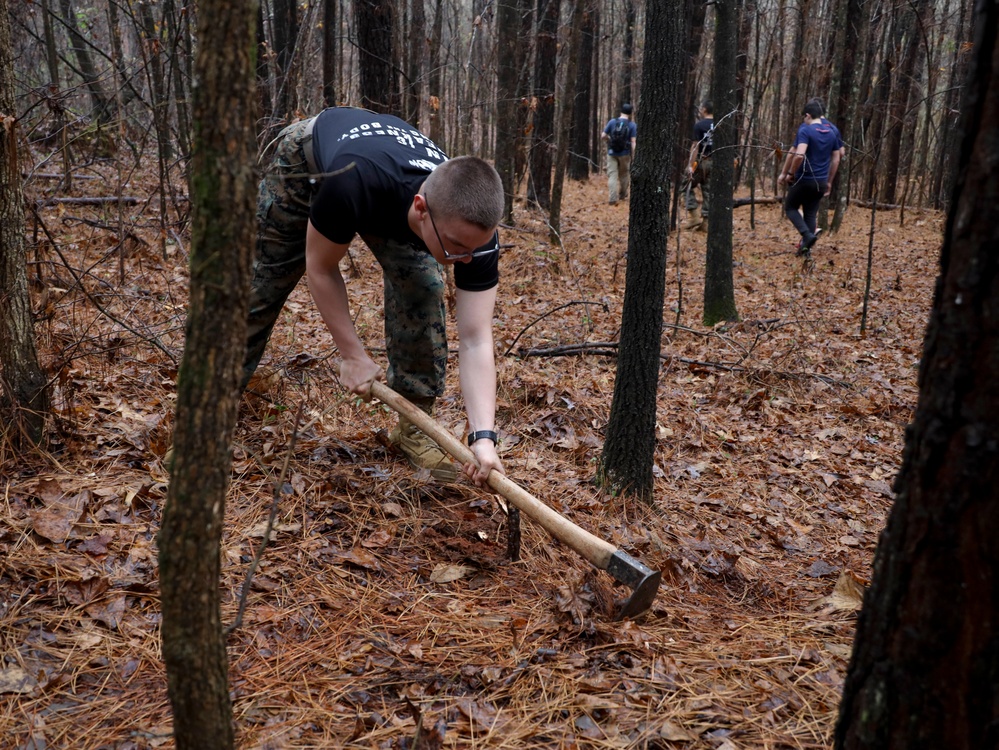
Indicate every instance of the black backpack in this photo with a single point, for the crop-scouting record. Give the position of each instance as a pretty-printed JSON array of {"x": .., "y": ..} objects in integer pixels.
[{"x": 619, "y": 135}]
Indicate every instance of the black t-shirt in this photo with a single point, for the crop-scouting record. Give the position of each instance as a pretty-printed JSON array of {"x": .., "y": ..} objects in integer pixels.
[
  {"x": 373, "y": 166},
  {"x": 703, "y": 134}
]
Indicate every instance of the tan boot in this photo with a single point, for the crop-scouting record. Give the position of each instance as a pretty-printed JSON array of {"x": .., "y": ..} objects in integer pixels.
[
  {"x": 421, "y": 451},
  {"x": 694, "y": 219}
]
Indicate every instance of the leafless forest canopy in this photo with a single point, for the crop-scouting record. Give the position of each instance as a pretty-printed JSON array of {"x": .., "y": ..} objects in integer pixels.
[{"x": 103, "y": 78}]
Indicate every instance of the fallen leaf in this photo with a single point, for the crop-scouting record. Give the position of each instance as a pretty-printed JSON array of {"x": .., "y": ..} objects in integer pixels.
[
  {"x": 109, "y": 611},
  {"x": 361, "y": 558},
  {"x": 480, "y": 715},
  {"x": 820, "y": 569},
  {"x": 848, "y": 593},
  {"x": 56, "y": 520},
  {"x": 445, "y": 573},
  {"x": 673, "y": 733},
  {"x": 380, "y": 538},
  {"x": 13, "y": 679},
  {"x": 258, "y": 531}
]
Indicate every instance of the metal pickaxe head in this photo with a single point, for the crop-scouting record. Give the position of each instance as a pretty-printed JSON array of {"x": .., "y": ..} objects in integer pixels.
[{"x": 642, "y": 579}]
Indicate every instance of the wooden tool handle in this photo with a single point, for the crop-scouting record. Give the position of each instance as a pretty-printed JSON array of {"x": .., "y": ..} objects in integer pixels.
[{"x": 593, "y": 548}]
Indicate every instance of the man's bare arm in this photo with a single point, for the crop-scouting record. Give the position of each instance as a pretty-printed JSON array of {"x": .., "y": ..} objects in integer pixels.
[{"x": 322, "y": 263}]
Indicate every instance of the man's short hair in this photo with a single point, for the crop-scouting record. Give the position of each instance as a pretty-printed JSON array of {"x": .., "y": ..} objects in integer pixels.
[
  {"x": 708, "y": 107},
  {"x": 626, "y": 109},
  {"x": 467, "y": 188},
  {"x": 813, "y": 109}
]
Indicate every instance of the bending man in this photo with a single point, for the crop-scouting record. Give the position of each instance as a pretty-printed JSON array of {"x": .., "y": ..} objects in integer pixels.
[{"x": 350, "y": 172}]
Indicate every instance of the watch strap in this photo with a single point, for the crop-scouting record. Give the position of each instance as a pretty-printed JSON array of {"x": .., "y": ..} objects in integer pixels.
[{"x": 480, "y": 434}]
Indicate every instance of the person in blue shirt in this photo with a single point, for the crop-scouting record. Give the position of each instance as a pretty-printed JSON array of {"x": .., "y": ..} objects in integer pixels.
[
  {"x": 621, "y": 134},
  {"x": 809, "y": 171}
]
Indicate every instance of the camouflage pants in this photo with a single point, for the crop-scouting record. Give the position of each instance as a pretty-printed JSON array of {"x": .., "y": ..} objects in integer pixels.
[
  {"x": 415, "y": 333},
  {"x": 702, "y": 178}
]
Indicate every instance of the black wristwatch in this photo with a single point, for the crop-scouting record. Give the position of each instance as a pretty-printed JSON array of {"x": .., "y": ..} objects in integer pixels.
[{"x": 479, "y": 434}]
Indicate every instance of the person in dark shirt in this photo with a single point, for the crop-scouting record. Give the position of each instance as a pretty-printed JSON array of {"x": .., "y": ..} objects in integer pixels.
[
  {"x": 349, "y": 172},
  {"x": 698, "y": 171},
  {"x": 809, "y": 171},
  {"x": 621, "y": 135}
]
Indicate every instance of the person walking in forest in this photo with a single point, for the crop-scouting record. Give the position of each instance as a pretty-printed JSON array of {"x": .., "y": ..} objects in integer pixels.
[
  {"x": 347, "y": 172},
  {"x": 621, "y": 135},
  {"x": 698, "y": 172},
  {"x": 809, "y": 171}
]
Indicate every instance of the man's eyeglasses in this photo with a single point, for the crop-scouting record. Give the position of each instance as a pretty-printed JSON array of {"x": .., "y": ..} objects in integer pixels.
[{"x": 449, "y": 256}]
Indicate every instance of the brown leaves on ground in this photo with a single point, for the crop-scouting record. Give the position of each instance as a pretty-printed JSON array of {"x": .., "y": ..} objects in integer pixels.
[{"x": 383, "y": 613}]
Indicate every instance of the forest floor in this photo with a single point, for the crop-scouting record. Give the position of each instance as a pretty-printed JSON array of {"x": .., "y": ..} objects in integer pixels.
[{"x": 385, "y": 605}]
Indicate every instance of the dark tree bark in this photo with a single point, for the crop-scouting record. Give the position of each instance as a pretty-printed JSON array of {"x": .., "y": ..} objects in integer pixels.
[
  {"x": 949, "y": 148},
  {"x": 627, "y": 459},
  {"x": 925, "y": 666},
  {"x": 379, "y": 83},
  {"x": 579, "y": 150},
  {"x": 565, "y": 120},
  {"x": 524, "y": 112},
  {"x": 436, "y": 78},
  {"x": 508, "y": 63},
  {"x": 177, "y": 36},
  {"x": 223, "y": 198},
  {"x": 625, "y": 91},
  {"x": 693, "y": 33},
  {"x": 851, "y": 26},
  {"x": 417, "y": 45},
  {"x": 265, "y": 97},
  {"x": 543, "y": 134},
  {"x": 23, "y": 395},
  {"x": 331, "y": 54},
  {"x": 904, "y": 49},
  {"x": 719, "y": 287},
  {"x": 103, "y": 107},
  {"x": 285, "y": 37}
]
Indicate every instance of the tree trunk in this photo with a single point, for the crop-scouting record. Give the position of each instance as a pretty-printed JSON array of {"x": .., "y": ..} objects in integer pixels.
[
  {"x": 925, "y": 666},
  {"x": 436, "y": 78},
  {"x": 565, "y": 120},
  {"x": 851, "y": 23},
  {"x": 904, "y": 48},
  {"x": 628, "y": 455},
  {"x": 625, "y": 90},
  {"x": 579, "y": 156},
  {"x": 222, "y": 237},
  {"x": 177, "y": 32},
  {"x": 507, "y": 59},
  {"x": 331, "y": 54},
  {"x": 285, "y": 38},
  {"x": 719, "y": 288},
  {"x": 102, "y": 107},
  {"x": 23, "y": 395},
  {"x": 379, "y": 83},
  {"x": 693, "y": 33},
  {"x": 416, "y": 35},
  {"x": 949, "y": 147},
  {"x": 523, "y": 95},
  {"x": 543, "y": 136}
]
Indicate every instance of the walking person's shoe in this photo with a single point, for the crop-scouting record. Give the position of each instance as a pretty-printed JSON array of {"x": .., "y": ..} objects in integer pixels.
[
  {"x": 694, "y": 218},
  {"x": 806, "y": 243},
  {"x": 422, "y": 452}
]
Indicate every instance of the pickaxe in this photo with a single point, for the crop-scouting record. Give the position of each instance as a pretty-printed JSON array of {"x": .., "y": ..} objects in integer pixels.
[{"x": 602, "y": 554}]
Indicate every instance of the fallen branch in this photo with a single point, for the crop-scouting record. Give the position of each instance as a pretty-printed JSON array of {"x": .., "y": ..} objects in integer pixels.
[
  {"x": 754, "y": 201},
  {"x": 551, "y": 312},
  {"x": 123, "y": 199},
  {"x": 609, "y": 349}
]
